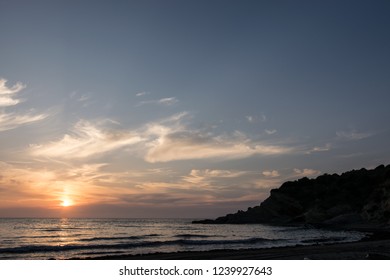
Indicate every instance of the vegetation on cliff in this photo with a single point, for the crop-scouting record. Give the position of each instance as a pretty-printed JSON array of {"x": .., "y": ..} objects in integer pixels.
[{"x": 354, "y": 197}]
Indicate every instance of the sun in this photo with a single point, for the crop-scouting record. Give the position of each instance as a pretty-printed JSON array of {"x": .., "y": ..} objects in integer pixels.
[{"x": 66, "y": 203}]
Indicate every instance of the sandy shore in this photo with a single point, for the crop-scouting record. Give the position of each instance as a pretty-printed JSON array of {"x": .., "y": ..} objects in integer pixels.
[{"x": 375, "y": 247}]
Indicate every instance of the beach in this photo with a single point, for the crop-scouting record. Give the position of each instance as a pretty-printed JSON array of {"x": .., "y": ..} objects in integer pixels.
[{"x": 375, "y": 247}]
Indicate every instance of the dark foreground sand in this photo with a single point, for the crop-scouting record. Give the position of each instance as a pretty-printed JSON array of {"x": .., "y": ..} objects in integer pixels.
[{"x": 375, "y": 247}]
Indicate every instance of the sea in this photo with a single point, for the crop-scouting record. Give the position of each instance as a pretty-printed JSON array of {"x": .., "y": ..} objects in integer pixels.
[{"x": 41, "y": 239}]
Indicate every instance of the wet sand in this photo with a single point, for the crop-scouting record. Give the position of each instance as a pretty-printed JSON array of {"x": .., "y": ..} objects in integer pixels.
[{"x": 374, "y": 247}]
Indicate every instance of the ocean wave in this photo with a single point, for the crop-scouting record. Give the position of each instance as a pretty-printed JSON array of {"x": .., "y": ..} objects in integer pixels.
[
  {"x": 325, "y": 240},
  {"x": 223, "y": 242},
  {"x": 62, "y": 228},
  {"x": 111, "y": 238},
  {"x": 194, "y": 236},
  {"x": 46, "y": 236},
  {"x": 176, "y": 242}
]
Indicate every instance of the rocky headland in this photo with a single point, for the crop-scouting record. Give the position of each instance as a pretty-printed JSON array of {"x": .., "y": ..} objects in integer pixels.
[{"x": 357, "y": 198}]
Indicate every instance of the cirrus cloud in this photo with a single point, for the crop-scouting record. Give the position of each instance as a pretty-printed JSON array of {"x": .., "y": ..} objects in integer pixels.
[
  {"x": 171, "y": 140},
  {"x": 199, "y": 176},
  {"x": 6, "y": 93},
  {"x": 162, "y": 141},
  {"x": 185, "y": 145},
  {"x": 168, "y": 101},
  {"x": 11, "y": 121},
  {"x": 86, "y": 140},
  {"x": 352, "y": 135},
  {"x": 317, "y": 149}
]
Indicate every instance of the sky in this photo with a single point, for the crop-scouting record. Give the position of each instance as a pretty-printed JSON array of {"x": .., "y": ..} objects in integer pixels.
[{"x": 185, "y": 108}]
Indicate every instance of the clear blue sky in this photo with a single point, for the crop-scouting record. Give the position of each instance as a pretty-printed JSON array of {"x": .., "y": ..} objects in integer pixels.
[{"x": 185, "y": 108}]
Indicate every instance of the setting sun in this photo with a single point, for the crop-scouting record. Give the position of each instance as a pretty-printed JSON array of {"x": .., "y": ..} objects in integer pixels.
[{"x": 66, "y": 203}]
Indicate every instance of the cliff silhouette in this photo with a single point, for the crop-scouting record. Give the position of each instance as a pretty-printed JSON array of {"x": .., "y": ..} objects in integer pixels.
[{"x": 357, "y": 197}]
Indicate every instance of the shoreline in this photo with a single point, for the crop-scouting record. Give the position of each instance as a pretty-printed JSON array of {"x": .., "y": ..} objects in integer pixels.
[{"x": 374, "y": 247}]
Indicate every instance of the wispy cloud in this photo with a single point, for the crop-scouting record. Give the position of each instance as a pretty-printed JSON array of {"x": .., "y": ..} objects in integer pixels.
[
  {"x": 83, "y": 98},
  {"x": 8, "y": 101},
  {"x": 317, "y": 149},
  {"x": 176, "y": 141},
  {"x": 256, "y": 119},
  {"x": 168, "y": 101},
  {"x": 85, "y": 140},
  {"x": 11, "y": 121},
  {"x": 25, "y": 186},
  {"x": 270, "y": 131},
  {"x": 166, "y": 140},
  {"x": 187, "y": 144},
  {"x": 197, "y": 176},
  {"x": 217, "y": 173},
  {"x": 306, "y": 172},
  {"x": 96, "y": 184},
  {"x": 7, "y": 93},
  {"x": 143, "y": 93},
  {"x": 353, "y": 135},
  {"x": 175, "y": 119},
  {"x": 271, "y": 173},
  {"x": 43, "y": 187}
]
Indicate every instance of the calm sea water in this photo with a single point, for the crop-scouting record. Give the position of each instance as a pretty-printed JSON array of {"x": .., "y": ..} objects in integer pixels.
[{"x": 82, "y": 238}]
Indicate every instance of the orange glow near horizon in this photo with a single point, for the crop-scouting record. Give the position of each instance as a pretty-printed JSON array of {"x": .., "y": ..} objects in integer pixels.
[{"x": 66, "y": 203}]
